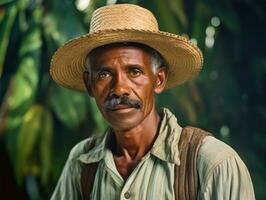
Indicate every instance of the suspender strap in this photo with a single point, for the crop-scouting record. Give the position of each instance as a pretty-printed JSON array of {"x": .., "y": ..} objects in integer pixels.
[
  {"x": 87, "y": 178},
  {"x": 186, "y": 176}
]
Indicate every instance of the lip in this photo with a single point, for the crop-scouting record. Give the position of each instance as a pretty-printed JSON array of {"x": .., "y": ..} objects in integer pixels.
[{"x": 122, "y": 109}]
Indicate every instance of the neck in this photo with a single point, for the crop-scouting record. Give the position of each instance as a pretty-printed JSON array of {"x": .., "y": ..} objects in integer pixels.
[{"x": 134, "y": 143}]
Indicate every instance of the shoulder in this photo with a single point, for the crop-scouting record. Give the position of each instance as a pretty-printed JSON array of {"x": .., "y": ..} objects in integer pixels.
[
  {"x": 69, "y": 186},
  {"x": 85, "y": 146},
  {"x": 213, "y": 151},
  {"x": 221, "y": 170}
]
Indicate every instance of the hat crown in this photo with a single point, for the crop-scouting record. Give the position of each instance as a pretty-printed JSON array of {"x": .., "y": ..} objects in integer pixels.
[{"x": 123, "y": 16}]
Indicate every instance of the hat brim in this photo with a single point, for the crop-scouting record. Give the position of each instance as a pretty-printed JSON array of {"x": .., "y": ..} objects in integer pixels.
[{"x": 183, "y": 58}]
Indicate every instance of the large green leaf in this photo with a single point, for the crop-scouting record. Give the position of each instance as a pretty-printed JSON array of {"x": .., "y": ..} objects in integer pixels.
[
  {"x": 27, "y": 139},
  {"x": 34, "y": 144},
  {"x": 23, "y": 5},
  {"x": 27, "y": 77},
  {"x": 62, "y": 30},
  {"x": 69, "y": 106},
  {"x": 7, "y": 18},
  {"x": 24, "y": 83}
]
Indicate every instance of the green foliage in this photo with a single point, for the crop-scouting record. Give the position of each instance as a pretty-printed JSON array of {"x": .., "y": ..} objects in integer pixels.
[
  {"x": 100, "y": 124},
  {"x": 179, "y": 11},
  {"x": 69, "y": 106},
  {"x": 36, "y": 115},
  {"x": 32, "y": 102},
  {"x": 24, "y": 83},
  {"x": 46, "y": 136},
  {"x": 34, "y": 144},
  {"x": 165, "y": 16},
  {"x": 7, "y": 17}
]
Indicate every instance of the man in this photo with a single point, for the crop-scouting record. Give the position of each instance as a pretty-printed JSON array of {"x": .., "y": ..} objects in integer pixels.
[{"x": 123, "y": 62}]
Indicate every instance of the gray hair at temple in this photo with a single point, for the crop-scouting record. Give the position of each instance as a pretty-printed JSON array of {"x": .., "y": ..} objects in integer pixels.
[{"x": 157, "y": 60}]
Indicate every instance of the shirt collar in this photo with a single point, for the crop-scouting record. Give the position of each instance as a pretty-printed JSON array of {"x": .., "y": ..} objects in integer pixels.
[{"x": 165, "y": 146}]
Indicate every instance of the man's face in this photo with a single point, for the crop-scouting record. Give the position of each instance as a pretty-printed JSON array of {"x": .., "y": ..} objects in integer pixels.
[{"x": 123, "y": 84}]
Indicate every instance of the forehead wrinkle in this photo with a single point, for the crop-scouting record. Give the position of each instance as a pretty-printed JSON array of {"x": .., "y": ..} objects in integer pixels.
[
  {"x": 100, "y": 67},
  {"x": 126, "y": 60}
]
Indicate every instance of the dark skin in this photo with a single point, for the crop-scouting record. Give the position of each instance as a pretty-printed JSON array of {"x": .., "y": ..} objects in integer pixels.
[{"x": 117, "y": 71}]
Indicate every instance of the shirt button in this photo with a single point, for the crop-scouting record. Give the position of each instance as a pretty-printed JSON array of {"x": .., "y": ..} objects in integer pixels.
[{"x": 127, "y": 195}]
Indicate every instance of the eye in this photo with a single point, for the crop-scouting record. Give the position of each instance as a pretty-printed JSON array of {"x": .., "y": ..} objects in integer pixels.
[
  {"x": 134, "y": 72},
  {"x": 103, "y": 74}
]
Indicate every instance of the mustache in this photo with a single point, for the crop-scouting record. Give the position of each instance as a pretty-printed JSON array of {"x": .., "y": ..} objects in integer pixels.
[{"x": 111, "y": 103}]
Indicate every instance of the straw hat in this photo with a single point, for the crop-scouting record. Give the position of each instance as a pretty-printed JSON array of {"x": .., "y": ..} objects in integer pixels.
[{"x": 125, "y": 23}]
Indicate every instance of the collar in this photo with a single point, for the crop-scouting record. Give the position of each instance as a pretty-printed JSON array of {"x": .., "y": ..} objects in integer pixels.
[{"x": 165, "y": 146}]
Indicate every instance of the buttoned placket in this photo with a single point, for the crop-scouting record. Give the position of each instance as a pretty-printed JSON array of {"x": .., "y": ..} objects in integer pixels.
[{"x": 126, "y": 192}]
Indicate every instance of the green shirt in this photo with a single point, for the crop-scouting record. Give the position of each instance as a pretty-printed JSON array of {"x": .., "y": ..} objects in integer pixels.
[{"x": 222, "y": 173}]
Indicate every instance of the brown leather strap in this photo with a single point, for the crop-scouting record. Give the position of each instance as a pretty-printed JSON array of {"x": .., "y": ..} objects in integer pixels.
[
  {"x": 87, "y": 179},
  {"x": 186, "y": 176}
]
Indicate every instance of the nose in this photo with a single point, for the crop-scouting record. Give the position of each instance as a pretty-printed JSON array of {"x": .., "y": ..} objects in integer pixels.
[{"x": 120, "y": 86}]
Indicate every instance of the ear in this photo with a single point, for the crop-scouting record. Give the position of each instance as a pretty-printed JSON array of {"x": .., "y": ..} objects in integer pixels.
[
  {"x": 86, "y": 79},
  {"x": 161, "y": 78}
]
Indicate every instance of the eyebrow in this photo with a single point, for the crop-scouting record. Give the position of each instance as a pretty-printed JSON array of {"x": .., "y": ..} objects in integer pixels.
[
  {"x": 135, "y": 65},
  {"x": 100, "y": 68}
]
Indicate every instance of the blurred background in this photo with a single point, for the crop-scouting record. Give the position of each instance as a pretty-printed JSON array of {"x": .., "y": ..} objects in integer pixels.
[{"x": 40, "y": 121}]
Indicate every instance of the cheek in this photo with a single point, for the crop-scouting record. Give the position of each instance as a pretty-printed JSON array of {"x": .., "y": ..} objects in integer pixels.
[
  {"x": 144, "y": 87},
  {"x": 145, "y": 82},
  {"x": 146, "y": 94},
  {"x": 100, "y": 91},
  {"x": 142, "y": 81}
]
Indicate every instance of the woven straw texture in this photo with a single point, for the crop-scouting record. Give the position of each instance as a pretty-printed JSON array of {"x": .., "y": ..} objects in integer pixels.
[{"x": 125, "y": 23}]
